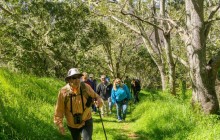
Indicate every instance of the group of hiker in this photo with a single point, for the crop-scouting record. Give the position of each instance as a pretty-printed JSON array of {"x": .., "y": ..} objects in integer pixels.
[{"x": 82, "y": 95}]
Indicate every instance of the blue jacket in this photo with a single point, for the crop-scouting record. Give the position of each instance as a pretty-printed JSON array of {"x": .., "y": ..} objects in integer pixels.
[{"x": 120, "y": 94}]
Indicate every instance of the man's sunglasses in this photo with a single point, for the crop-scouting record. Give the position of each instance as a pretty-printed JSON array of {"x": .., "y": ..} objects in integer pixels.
[{"x": 73, "y": 78}]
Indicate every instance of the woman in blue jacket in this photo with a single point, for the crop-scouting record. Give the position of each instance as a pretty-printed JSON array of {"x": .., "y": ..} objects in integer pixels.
[{"x": 120, "y": 95}]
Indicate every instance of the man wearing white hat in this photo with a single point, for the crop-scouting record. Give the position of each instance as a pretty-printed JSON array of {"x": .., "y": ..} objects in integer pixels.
[{"x": 74, "y": 102}]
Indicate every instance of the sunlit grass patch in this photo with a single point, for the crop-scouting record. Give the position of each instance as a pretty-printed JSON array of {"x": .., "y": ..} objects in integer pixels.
[
  {"x": 27, "y": 108},
  {"x": 158, "y": 119}
]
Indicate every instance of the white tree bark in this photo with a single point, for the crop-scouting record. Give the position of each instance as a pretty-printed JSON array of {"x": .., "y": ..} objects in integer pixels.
[{"x": 201, "y": 73}]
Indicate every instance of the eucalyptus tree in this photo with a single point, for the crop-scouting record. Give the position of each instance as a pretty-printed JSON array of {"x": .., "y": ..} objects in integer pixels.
[
  {"x": 203, "y": 69},
  {"x": 168, "y": 49},
  {"x": 195, "y": 32},
  {"x": 203, "y": 66},
  {"x": 156, "y": 37}
]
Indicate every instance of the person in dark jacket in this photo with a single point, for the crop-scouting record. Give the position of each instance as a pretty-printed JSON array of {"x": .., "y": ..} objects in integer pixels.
[
  {"x": 93, "y": 84},
  {"x": 104, "y": 91},
  {"x": 136, "y": 87},
  {"x": 85, "y": 79}
]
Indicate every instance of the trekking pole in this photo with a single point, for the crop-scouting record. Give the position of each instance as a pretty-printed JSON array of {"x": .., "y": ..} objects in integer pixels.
[{"x": 102, "y": 124}]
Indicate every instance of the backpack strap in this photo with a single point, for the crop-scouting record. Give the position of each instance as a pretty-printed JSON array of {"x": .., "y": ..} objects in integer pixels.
[
  {"x": 85, "y": 93},
  {"x": 82, "y": 98},
  {"x": 83, "y": 88}
]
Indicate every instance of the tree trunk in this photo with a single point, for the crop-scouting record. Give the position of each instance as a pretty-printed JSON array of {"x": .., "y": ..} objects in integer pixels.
[
  {"x": 171, "y": 65},
  {"x": 158, "y": 61},
  {"x": 168, "y": 50},
  {"x": 153, "y": 48},
  {"x": 162, "y": 76},
  {"x": 203, "y": 79}
]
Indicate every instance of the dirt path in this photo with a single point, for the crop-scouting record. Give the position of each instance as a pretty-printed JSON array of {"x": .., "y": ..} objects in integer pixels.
[{"x": 131, "y": 135}]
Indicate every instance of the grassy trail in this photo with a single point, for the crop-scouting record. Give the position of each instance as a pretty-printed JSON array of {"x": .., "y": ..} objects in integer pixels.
[
  {"x": 130, "y": 134},
  {"x": 27, "y": 107},
  {"x": 116, "y": 130}
]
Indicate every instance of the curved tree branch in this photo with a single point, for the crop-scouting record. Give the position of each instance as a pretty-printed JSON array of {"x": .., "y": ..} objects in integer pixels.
[
  {"x": 181, "y": 60},
  {"x": 208, "y": 23},
  {"x": 140, "y": 19},
  {"x": 126, "y": 25}
]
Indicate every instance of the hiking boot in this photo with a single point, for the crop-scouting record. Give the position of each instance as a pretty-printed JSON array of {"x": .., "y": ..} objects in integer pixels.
[{"x": 119, "y": 120}]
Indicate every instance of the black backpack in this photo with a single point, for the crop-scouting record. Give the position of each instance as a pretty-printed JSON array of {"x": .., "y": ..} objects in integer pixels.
[{"x": 137, "y": 85}]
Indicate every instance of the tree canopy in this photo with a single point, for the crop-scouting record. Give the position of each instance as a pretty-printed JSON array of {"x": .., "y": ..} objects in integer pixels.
[{"x": 153, "y": 40}]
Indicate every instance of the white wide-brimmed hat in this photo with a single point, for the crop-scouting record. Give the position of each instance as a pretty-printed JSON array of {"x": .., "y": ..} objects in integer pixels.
[{"x": 73, "y": 72}]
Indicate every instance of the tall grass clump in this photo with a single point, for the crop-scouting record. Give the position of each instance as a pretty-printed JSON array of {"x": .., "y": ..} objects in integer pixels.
[
  {"x": 163, "y": 116},
  {"x": 27, "y": 106}
]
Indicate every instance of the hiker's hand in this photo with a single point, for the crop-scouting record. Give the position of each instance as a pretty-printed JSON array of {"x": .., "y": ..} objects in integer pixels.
[
  {"x": 62, "y": 130},
  {"x": 98, "y": 102}
]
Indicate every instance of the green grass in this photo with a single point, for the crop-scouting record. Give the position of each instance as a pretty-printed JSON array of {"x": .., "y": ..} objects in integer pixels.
[{"x": 27, "y": 107}]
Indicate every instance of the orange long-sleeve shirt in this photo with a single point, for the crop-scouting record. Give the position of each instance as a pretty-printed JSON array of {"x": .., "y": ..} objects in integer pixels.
[{"x": 63, "y": 106}]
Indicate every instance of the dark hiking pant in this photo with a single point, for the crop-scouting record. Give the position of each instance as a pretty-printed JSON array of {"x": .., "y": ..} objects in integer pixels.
[
  {"x": 136, "y": 98},
  {"x": 86, "y": 131}
]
